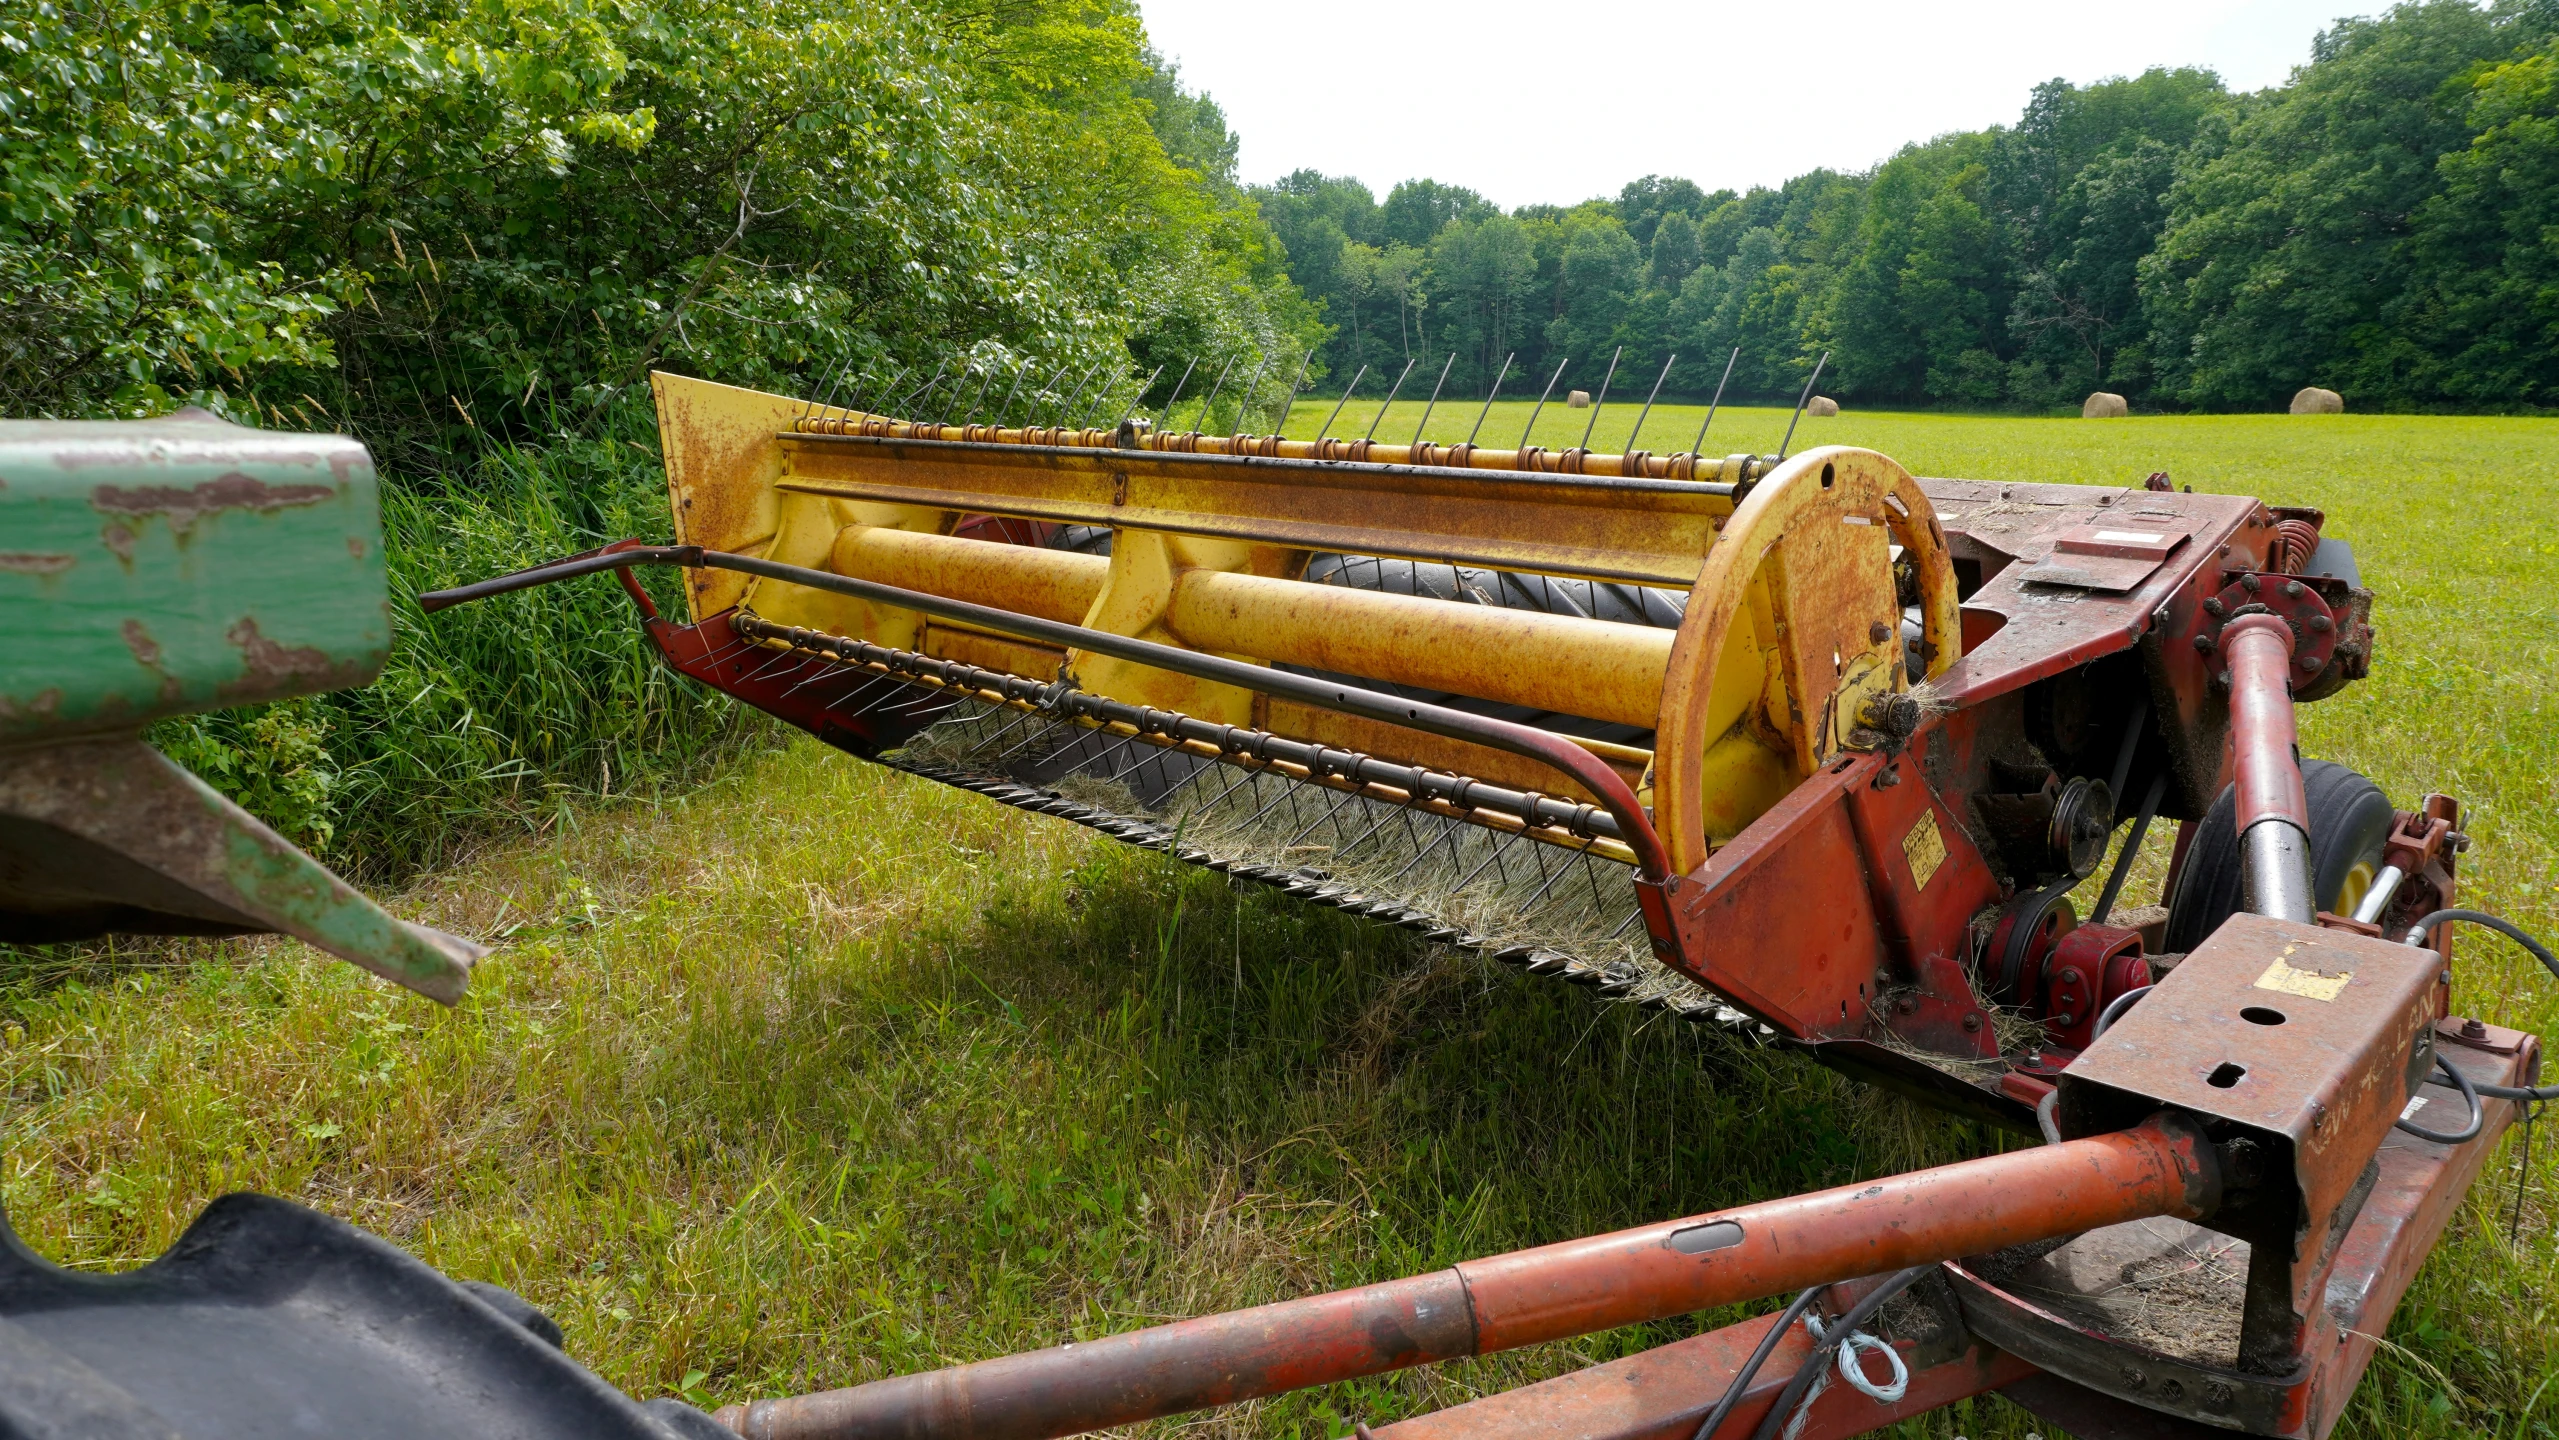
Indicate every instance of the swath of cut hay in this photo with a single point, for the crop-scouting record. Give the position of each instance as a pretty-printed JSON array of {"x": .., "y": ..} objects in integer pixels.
[{"x": 1501, "y": 893}]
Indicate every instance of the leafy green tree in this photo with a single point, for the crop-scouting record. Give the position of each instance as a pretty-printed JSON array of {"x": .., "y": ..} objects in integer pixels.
[
  {"x": 1419, "y": 209},
  {"x": 2286, "y": 240},
  {"x": 1642, "y": 203},
  {"x": 1483, "y": 283}
]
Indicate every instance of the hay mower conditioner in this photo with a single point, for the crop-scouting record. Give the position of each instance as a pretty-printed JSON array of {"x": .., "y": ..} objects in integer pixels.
[{"x": 1806, "y": 747}]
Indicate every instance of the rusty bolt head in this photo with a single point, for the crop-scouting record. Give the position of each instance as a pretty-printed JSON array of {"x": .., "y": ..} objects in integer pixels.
[
  {"x": 2217, "y": 1394},
  {"x": 2292, "y": 589},
  {"x": 2214, "y": 607},
  {"x": 2322, "y": 624},
  {"x": 2474, "y": 1029},
  {"x": 2131, "y": 1374},
  {"x": 1972, "y": 1023},
  {"x": 2170, "y": 1390},
  {"x": 2069, "y": 976},
  {"x": 1878, "y": 633},
  {"x": 2250, "y": 582},
  {"x": 1906, "y": 1006},
  {"x": 2309, "y": 664},
  {"x": 2203, "y": 642}
]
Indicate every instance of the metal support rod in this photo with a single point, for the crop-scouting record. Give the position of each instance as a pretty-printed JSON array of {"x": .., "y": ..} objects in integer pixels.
[
  {"x": 1545, "y": 747},
  {"x": 1602, "y": 402},
  {"x": 1800, "y": 401},
  {"x": 2377, "y": 898},
  {"x": 1391, "y": 392},
  {"x": 1327, "y": 427},
  {"x": 2273, "y": 811},
  {"x": 1444, "y": 368},
  {"x": 1528, "y": 1297},
  {"x": 1648, "y": 402},
  {"x": 1488, "y": 396},
  {"x": 1541, "y": 400},
  {"x": 1713, "y": 405}
]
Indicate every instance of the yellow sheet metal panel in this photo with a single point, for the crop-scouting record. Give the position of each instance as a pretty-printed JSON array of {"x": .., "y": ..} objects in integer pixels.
[
  {"x": 1597, "y": 668},
  {"x": 1650, "y": 532},
  {"x": 722, "y": 456}
]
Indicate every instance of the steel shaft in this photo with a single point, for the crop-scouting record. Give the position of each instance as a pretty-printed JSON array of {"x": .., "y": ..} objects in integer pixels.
[
  {"x": 2273, "y": 810},
  {"x": 1525, "y": 1298}
]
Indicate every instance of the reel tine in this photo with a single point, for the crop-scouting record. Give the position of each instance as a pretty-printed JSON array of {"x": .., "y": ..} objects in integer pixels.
[
  {"x": 1696, "y": 446},
  {"x": 1602, "y": 402},
  {"x": 1345, "y": 400},
  {"x": 1648, "y": 401},
  {"x": 1541, "y": 401},
  {"x": 1801, "y": 401},
  {"x": 1202, "y": 418},
  {"x": 1392, "y": 391},
  {"x": 1435, "y": 389},
  {"x": 1488, "y": 396}
]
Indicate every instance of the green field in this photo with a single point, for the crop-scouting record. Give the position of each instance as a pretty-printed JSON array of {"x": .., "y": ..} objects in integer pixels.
[{"x": 818, "y": 1073}]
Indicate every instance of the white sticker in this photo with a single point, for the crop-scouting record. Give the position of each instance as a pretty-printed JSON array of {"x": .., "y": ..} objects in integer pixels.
[
  {"x": 2409, "y": 1110},
  {"x": 2131, "y": 537}
]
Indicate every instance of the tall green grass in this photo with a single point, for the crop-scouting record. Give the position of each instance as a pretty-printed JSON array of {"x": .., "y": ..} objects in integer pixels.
[{"x": 488, "y": 717}]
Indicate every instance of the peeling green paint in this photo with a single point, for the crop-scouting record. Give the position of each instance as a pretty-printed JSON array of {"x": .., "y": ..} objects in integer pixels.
[{"x": 181, "y": 564}]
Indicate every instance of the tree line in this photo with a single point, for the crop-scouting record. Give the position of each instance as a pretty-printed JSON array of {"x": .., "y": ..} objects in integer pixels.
[
  {"x": 437, "y": 225},
  {"x": 2385, "y": 224}
]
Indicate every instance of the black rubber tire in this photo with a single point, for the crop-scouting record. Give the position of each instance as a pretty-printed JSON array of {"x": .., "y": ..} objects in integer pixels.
[{"x": 2349, "y": 821}]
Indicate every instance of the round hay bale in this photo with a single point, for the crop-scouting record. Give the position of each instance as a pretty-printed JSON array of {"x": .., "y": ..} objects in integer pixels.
[
  {"x": 1578, "y": 400},
  {"x": 1821, "y": 405},
  {"x": 2314, "y": 401},
  {"x": 2104, "y": 405}
]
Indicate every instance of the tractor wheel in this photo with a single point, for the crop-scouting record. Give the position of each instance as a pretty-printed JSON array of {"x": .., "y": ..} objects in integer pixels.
[{"x": 2349, "y": 820}]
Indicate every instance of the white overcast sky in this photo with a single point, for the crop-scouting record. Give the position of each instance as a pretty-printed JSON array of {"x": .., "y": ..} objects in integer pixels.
[{"x": 1567, "y": 99}]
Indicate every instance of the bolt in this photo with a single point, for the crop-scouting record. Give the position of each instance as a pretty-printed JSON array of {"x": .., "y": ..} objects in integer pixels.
[
  {"x": 2171, "y": 1391},
  {"x": 1906, "y": 1006},
  {"x": 2217, "y": 1393},
  {"x": 2203, "y": 642},
  {"x": 2215, "y": 608},
  {"x": 2159, "y": 617},
  {"x": 2322, "y": 624},
  {"x": 2131, "y": 1374},
  {"x": 1878, "y": 633},
  {"x": 1972, "y": 1023},
  {"x": 2068, "y": 977},
  {"x": 2310, "y": 664},
  {"x": 2474, "y": 1029},
  {"x": 2249, "y": 583}
]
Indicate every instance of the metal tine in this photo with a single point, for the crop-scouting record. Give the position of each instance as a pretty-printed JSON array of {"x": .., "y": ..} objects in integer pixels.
[
  {"x": 826, "y": 385},
  {"x": 1244, "y": 407},
  {"x": 1695, "y": 446},
  {"x": 1800, "y": 401},
  {"x": 1304, "y": 363},
  {"x": 1202, "y": 418},
  {"x": 1004, "y": 406},
  {"x": 890, "y": 388},
  {"x": 1445, "y": 365},
  {"x": 1072, "y": 406},
  {"x": 969, "y": 415},
  {"x": 1602, "y": 402},
  {"x": 1488, "y": 397},
  {"x": 1392, "y": 391},
  {"x": 1541, "y": 401},
  {"x": 1140, "y": 396},
  {"x": 951, "y": 407},
  {"x": 1031, "y": 401},
  {"x": 1176, "y": 397},
  {"x": 1101, "y": 394},
  {"x": 1648, "y": 401},
  {"x": 1337, "y": 407}
]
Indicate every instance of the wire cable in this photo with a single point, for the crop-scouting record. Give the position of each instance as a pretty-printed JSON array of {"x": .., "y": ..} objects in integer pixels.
[
  {"x": 2469, "y": 1094},
  {"x": 2115, "y": 1009},
  {"x": 2420, "y": 932},
  {"x": 1858, "y": 1314},
  {"x": 1723, "y": 1410}
]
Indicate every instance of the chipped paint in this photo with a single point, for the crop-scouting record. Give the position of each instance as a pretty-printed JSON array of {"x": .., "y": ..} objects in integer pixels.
[{"x": 18, "y": 563}]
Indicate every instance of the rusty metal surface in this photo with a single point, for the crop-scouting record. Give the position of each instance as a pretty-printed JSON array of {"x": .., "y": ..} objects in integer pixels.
[
  {"x": 1551, "y": 1293},
  {"x": 1665, "y": 1394},
  {"x": 2152, "y": 1313},
  {"x": 154, "y": 568},
  {"x": 110, "y": 835},
  {"x": 1647, "y": 531}
]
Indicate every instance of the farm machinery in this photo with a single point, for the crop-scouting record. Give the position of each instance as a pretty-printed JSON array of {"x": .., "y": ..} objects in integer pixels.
[{"x": 1804, "y": 748}]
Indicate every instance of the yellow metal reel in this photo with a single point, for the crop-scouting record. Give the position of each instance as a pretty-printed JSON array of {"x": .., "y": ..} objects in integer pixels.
[{"x": 1792, "y": 627}]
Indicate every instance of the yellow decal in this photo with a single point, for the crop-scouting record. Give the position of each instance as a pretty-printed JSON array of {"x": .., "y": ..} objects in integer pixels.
[
  {"x": 1924, "y": 848},
  {"x": 2282, "y": 978}
]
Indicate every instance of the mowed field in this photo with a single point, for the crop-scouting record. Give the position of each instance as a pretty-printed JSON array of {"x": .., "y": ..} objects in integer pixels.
[{"x": 817, "y": 1073}]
